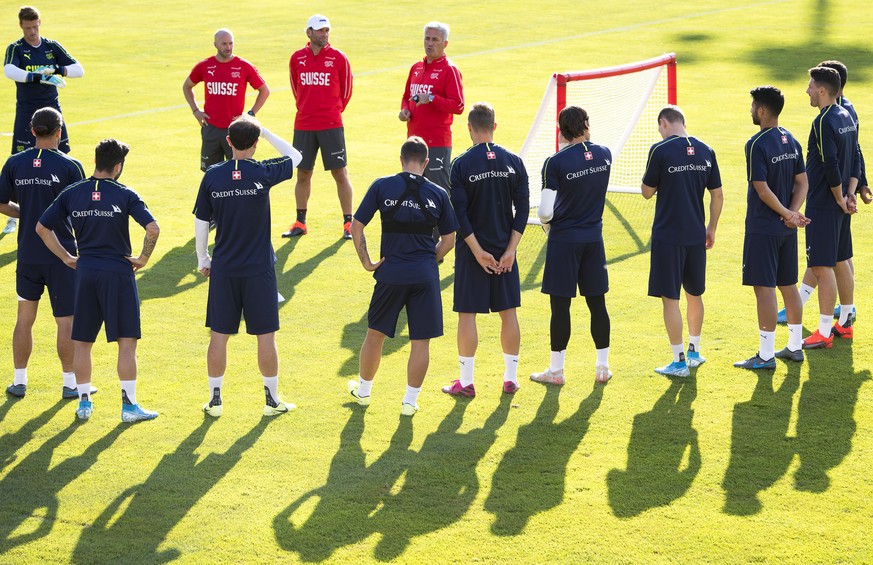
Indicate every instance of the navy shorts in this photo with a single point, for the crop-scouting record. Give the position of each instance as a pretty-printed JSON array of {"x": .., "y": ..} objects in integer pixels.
[
  {"x": 213, "y": 147},
  {"x": 479, "y": 292},
  {"x": 105, "y": 296},
  {"x": 22, "y": 137},
  {"x": 332, "y": 143},
  {"x": 674, "y": 267},
  {"x": 572, "y": 265},
  {"x": 30, "y": 280},
  {"x": 424, "y": 309},
  {"x": 770, "y": 260},
  {"x": 826, "y": 238},
  {"x": 232, "y": 298},
  {"x": 844, "y": 247},
  {"x": 438, "y": 166}
]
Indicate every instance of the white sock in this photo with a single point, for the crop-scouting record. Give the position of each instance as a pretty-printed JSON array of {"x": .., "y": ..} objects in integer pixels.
[
  {"x": 69, "y": 379},
  {"x": 805, "y": 293},
  {"x": 825, "y": 322},
  {"x": 129, "y": 389},
  {"x": 767, "y": 344},
  {"x": 272, "y": 386},
  {"x": 678, "y": 349},
  {"x": 795, "y": 337},
  {"x": 603, "y": 357},
  {"x": 511, "y": 363},
  {"x": 84, "y": 390},
  {"x": 364, "y": 387},
  {"x": 466, "y": 370},
  {"x": 556, "y": 362},
  {"x": 215, "y": 383},
  {"x": 411, "y": 395},
  {"x": 694, "y": 343},
  {"x": 20, "y": 377},
  {"x": 845, "y": 311}
]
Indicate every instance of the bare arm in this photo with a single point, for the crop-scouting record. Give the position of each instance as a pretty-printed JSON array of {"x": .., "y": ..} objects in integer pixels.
[
  {"x": 188, "y": 90},
  {"x": 485, "y": 259},
  {"x": 445, "y": 245},
  {"x": 11, "y": 209},
  {"x": 507, "y": 260},
  {"x": 51, "y": 241},
  {"x": 148, "y": 245},
  {"x": 716, "y": 201},
  {"x": 648, "y": 191},
  {"x": 360, "y": 242},
  {"x": 263, "y": 94}
]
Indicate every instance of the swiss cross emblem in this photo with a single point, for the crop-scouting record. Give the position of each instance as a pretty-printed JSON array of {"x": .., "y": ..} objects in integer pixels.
[
  {"x": 37, "y": 163},
  {"x": 690, "y": 151},
  {"x": 589, "y": 156},
  {"x": 236, "y": 175},
  {"x": 95, "y": 196},
  {"x": 491, "y": 155},
  {"x": 785, "y": 139}
]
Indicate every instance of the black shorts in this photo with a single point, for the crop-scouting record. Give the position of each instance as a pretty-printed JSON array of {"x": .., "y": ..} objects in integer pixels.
[
  {"x": 424, "y": 309},
  {"x": 232, "y": 298},
  {"x": 770, "y": 260},
  {"x": 827, "y": 240},
  {"x": 674, "y": 267},
  {"x": 844, "y": 247},
  {"x": 22, "y": 137},
  {"x": 105, "y": 296},
  {"x": 30, "y": 280},
  {"x": 214, "y": 147},
  {"x": 572, "y": 265},
  {"x": 438, "y": 166},
  {"x": 479, "y": 292},
  {"x": 332, "y": 143}
]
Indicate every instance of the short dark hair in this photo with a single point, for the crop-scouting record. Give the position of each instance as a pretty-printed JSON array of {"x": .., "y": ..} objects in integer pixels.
[
  {"x": 413, "y": 149},
  {"x": 672, "y": 114},
  {"x": 28, "y": 13},
  {"x": 573, "y": 122},
  {"x": 110, "y": 152},
  {"x": 481, "y": 117},
  {"x": 769, "y": 97},
  {"x": 827, "y": 78},
  {"x": 46, "y": 121},
  {"x": 840, "y": 68},
  {"x": 243, "y": 132}
]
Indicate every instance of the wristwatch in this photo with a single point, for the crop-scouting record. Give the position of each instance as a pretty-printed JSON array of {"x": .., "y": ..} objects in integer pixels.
[{"x": 430, "y": 97}]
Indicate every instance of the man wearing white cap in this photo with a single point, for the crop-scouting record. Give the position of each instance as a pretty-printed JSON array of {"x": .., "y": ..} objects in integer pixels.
[{"x": 321, "y": 80}]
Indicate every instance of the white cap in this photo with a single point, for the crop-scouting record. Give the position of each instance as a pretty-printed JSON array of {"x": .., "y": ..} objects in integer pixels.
[{"x": 318, "y": 22}]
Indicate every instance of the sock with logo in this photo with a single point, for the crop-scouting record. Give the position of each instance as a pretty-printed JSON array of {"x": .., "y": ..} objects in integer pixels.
[
  {"x": 466, "y": 369},
  {"x": 128, "y": 392},
  {"x": 511, "y": 363}
]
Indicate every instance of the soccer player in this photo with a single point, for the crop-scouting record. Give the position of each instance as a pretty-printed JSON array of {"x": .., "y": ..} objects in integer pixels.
[
  {"x": 833, "y": 167},
  {"x": 680, "y": 169},
  {"x": 575, "y": 180},
  {"x": 407, "y": 276},
  {"x": 777, "y": 188},
  {"x": 321, "y": 79},
  {"x": 34, "y": 178},
  {"x": 225, "y": 78},
  {"x": 99, "y": 209},
  {"x": 433, "y": 95},
  {"x": 488, "y": 183},
  {"x": 236, "y": 196}
]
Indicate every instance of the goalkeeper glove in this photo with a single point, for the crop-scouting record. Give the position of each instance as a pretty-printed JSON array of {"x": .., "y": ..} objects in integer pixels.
[
  {"x": 55, "y": 70},
  {"x": 53, "y": 80}
]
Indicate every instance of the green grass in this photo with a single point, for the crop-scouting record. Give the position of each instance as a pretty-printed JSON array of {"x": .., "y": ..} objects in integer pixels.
[{"x": 725, "y": 467}]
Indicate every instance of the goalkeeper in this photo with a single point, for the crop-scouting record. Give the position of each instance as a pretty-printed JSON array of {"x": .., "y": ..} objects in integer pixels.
[{"x": 38, "y": 67}]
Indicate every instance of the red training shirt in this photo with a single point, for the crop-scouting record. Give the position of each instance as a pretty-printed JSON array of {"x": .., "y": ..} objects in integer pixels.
[
  {"x": 322, "y": 86},
  {"x": 225, "y": 87},
  {"x": 433, "y": 121}
]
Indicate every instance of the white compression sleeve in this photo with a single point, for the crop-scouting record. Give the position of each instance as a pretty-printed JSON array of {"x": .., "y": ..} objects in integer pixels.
[
  {"x": 547, "y": 205},
  {"x": 75, "y": 70},
  {"x": 282, "y": 146},
  {"x": 201, "y": 240},
  {"x": 14, "y": 73}
]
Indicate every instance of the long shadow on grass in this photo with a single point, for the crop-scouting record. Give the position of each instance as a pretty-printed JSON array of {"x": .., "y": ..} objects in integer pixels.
[
  {"x": 288, "y": 281},
  {"x": 36, "y": 484},
  {"x": 531, "y": 477},
  {"x": 663, "y": 456},
  {"x": 8, "y": 257},
  {"x": 165, "y": 278},
  {"x": 10, "y": 443},
  {"x": 761, "y": 450},
  {"x": 158, "y": 504},
  {"x": 825, "y": 415}
]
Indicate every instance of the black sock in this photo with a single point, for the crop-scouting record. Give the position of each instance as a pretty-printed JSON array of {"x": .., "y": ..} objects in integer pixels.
[
  {"x": 301, "y": 215},
  {"x": 347, "y": 218}
]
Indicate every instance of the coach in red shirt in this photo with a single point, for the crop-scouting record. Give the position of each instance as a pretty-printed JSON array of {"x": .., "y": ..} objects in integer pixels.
[
  {"x": 434, "y": 94},
  {"x": 321, "y": 80},
  {"x": 224, "y": 77}
]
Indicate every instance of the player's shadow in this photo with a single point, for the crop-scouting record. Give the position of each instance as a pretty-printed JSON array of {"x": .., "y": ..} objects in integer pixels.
[
  {"x": 440, "y": 483},
  {"x": 825, "y": 415},
  {"x": 8, "y": 257},
  {"x": 638, "y": 245},
  {"x": 36, "y": 483},
  {"x": 4, "y": 409},
  {"x": 531, "y": 477},
  {"x": 154, "y": 507},
  {"x": 352, "y": 493},
  {"x": 761, "y": 450},
  {"x": 11, "y": 442},
  {"x": 532, "y": 278},
  {"x": 289, "y": 280},
  {"x": 174, "y": 273},
  {"x": 663, "y": 456}
]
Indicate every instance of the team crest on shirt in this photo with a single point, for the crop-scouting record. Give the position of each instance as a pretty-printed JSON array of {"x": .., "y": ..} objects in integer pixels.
[
  {"x": 589, "y": 156},
  {"x": 95, "y": 196},
  {"x": 37, "y": 163},
  {"x": 328, "y": 63},
  {"x": 690, "y": 150},
  {"x": 785, "y": 140},
  {"x": 236, "y": 175},
  {"x": 235, "y": 74},
  {"x": 490, "y": 155},
  {"x": 435, "y": 75}
]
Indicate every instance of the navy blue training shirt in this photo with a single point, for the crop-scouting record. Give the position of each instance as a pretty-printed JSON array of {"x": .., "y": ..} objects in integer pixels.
[
  {"x": 46, "y": 55},
  {"x": 831, "y": 156},
  {"x": 850, "y": 108},
  {"x": 775, "y": 157}
]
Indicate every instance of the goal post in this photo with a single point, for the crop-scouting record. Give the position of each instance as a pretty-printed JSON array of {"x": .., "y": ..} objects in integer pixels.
[{"x": 622, "y": 103}]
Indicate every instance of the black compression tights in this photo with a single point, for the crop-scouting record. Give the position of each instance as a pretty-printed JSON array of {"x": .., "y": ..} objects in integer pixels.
[{"x": 560, "y": 322}]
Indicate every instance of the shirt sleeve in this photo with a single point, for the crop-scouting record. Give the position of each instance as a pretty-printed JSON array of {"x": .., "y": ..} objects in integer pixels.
[
  {"x": 404, "y": 101},
  {"x": 799, "y": 164},
  {"x": 653, "y": 170},
  {"x": 714, "y": 174},
  {"x": 54, "y": 215},
  {"x": 369, "y": 204},
  {"x": 550, "y": 174},
  {"x": 279, "y": 169},
  {"x": 452, "y": 100},
  {"x": 203, "y": 205},
  {"x": 345, "y": 75},
  {"x": 13, "y": 56},
  {"x": 825, "y": 138},
  {"x": 448, "y": 222},
  {"x": 460, "y": 201},
  {"x": 196, "y": 75},
  {"x": 138, "y": 210},
  {"x": 62, "y": 57},
  {"x": 7, "y": 192},
  {"x": 292, "y": 76},
  {"x": 521, "y": 198},
  {"x": 756, "y": 162},
  {"x": 254, "y": 77}
]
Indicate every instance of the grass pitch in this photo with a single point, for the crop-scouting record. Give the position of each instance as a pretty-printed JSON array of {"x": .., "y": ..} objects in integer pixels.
[{"x": 728, "y": 466}]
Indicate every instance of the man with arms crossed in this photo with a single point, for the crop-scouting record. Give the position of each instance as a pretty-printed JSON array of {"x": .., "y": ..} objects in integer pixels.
[
  {"x": 34, "y": 178},
  {"x": 225, "y": 78},
  {"x": 99, "y": 209},
  {"x": 321, "y": 80},
  {"x": 242, "y": 278},
  {"x": 575, "y": 180},
  {"x": 488, "y": 182},
  {"x": 407, "y": 276},
  {"x": 777, "y": 188},
  {"x": 680, "y": 169}
]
